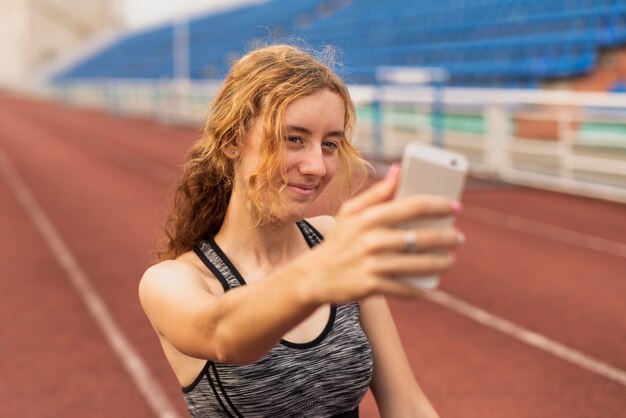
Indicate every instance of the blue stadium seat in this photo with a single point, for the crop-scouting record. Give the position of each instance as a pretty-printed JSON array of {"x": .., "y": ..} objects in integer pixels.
[{"x": 480, "y": 42}]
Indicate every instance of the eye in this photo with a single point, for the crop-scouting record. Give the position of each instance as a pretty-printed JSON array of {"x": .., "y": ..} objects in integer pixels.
[
  {"x": 330, "y": 145},
  {"x": 294, "y": 139}
]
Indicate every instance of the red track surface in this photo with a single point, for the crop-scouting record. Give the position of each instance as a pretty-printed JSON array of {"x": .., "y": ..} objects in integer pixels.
[{"x": 101, "y": 181}]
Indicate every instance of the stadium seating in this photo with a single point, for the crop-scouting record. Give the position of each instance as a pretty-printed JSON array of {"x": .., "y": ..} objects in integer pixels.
[{"x": 514, "y": 43}]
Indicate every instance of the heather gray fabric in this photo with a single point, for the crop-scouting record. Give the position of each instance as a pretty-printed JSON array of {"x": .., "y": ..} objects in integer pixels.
[{"x": 325, "y": 377}]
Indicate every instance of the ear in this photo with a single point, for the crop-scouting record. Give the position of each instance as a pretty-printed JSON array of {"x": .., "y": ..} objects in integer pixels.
[{"x": 231, "y": 152}]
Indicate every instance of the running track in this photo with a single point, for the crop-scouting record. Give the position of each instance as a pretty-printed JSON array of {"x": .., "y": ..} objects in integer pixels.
[{"x": 531, "y": 322}]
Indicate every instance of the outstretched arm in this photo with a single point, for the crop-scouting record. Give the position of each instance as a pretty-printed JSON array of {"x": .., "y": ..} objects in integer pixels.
[{"x": 361, "y": 257}]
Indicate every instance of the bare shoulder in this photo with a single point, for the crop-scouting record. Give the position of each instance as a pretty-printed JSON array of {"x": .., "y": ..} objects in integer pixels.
[
  {"x": 179, "y": 270},
  {"x": 324, "y": 223},
  {"x": 170, "y": 280}
]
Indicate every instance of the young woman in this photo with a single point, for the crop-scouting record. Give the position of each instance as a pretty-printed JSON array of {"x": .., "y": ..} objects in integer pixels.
[{"x": 260, "y": 312}]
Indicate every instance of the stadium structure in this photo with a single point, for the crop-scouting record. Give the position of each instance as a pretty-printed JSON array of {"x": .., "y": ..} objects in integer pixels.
[
  {"x": 35, "y": 33},
  {"x": 96, "y": 122},
  {"x": 532, "y": 91}
]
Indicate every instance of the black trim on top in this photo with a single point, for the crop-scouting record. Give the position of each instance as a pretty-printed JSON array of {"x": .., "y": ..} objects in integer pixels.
[
  {"x": 217, "y": 395},
  {"x": 319, "y": 338},
  {"x": 219, "y": 383},
  {"x": 302, "y": 226},
  {"x": 350, "y": 414},
  {"x": 192, "y": 385},
  {"x": 315, "y": 231},
  {"x": 218, "y": 274},
  {"x": 226, "y": 261}
]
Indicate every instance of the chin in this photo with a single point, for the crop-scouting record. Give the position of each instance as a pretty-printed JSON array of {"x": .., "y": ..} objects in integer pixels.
[
  {"x": 293, "y": 209},
  {"x": 292, "y": 213}
]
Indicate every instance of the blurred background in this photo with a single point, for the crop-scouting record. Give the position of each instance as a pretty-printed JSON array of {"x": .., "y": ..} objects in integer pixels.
[{"x": 100, "y": 100}]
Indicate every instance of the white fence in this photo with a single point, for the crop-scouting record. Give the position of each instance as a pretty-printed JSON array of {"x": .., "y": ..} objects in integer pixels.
[{"x": 564, "y": 141}]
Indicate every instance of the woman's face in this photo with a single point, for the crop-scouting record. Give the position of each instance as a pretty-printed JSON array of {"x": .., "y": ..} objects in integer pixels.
[{"x": 314, "y": 125}]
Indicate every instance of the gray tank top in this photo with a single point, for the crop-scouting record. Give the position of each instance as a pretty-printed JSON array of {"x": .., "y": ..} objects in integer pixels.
[{"x": 325, "y": 377}]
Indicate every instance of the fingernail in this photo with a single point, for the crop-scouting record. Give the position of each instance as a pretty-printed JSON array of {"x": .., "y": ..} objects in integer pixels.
[
  {"x": 457, "y": 207},
  {"x": 391, "y": 173},
  {"x": 460, "y": 238}
]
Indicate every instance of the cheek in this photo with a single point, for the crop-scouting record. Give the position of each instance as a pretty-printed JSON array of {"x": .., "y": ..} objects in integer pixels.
[
  {"x": 289, "y": 161},
  {"x": 331, "y": 167}
]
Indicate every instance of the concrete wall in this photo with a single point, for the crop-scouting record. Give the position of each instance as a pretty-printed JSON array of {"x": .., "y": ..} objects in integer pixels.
[
  {"x": 610, "y": 70},
  {"x": 35, "y": 32}
]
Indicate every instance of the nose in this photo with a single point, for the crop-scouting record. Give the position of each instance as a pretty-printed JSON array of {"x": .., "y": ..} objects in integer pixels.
[{"x": 313, "y": 163}]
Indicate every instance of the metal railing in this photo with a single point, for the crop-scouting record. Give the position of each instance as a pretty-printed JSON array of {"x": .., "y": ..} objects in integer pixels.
[{"x": 566, "y": 141}]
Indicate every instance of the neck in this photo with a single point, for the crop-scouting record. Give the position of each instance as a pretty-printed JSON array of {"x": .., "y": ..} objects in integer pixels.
[{"x": 263, "y": 246}]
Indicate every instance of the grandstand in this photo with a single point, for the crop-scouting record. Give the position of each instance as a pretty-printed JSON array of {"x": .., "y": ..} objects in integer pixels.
[
  {"x": 531, "y": 94},
  {"x": 489, "y": 43}
]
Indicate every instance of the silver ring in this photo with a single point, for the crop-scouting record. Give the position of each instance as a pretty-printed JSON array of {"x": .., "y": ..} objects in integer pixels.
[{"x": 410, "y": 241}]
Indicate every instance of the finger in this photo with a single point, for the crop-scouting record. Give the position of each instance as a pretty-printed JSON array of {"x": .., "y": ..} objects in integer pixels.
[
  {"x": 410, "y": 208},
  {"x": 380, "y": 191},
  {"x": 397, "y": 288},
  {"x": 414, "y": 265},
  {"x": 423, "y": 240}
]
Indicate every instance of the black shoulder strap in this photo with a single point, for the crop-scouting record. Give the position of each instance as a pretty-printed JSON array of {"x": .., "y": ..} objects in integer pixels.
[
  {"x": 311, "y": 235},
  {"x": 212, "y": 256}
]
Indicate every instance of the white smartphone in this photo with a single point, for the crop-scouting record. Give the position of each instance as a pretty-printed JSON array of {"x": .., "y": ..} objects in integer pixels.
[{"x": 434, "y": 171}]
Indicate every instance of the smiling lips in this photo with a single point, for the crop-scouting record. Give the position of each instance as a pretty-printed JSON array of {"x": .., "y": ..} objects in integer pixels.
[{"x": 302, "y": 189}]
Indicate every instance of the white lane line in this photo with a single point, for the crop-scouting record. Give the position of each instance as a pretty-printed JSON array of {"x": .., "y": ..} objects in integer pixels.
[
  {"x": 144, "y": 380},
  {"x": 544, "y": 230},
  {"x": 529, "y": 337}
]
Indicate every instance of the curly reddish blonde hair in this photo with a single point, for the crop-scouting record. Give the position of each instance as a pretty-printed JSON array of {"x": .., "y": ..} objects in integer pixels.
[{"x": 261, "y": 84}]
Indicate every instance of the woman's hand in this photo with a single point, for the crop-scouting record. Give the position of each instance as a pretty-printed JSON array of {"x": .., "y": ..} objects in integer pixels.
[{"x": 366, "y": 251}]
